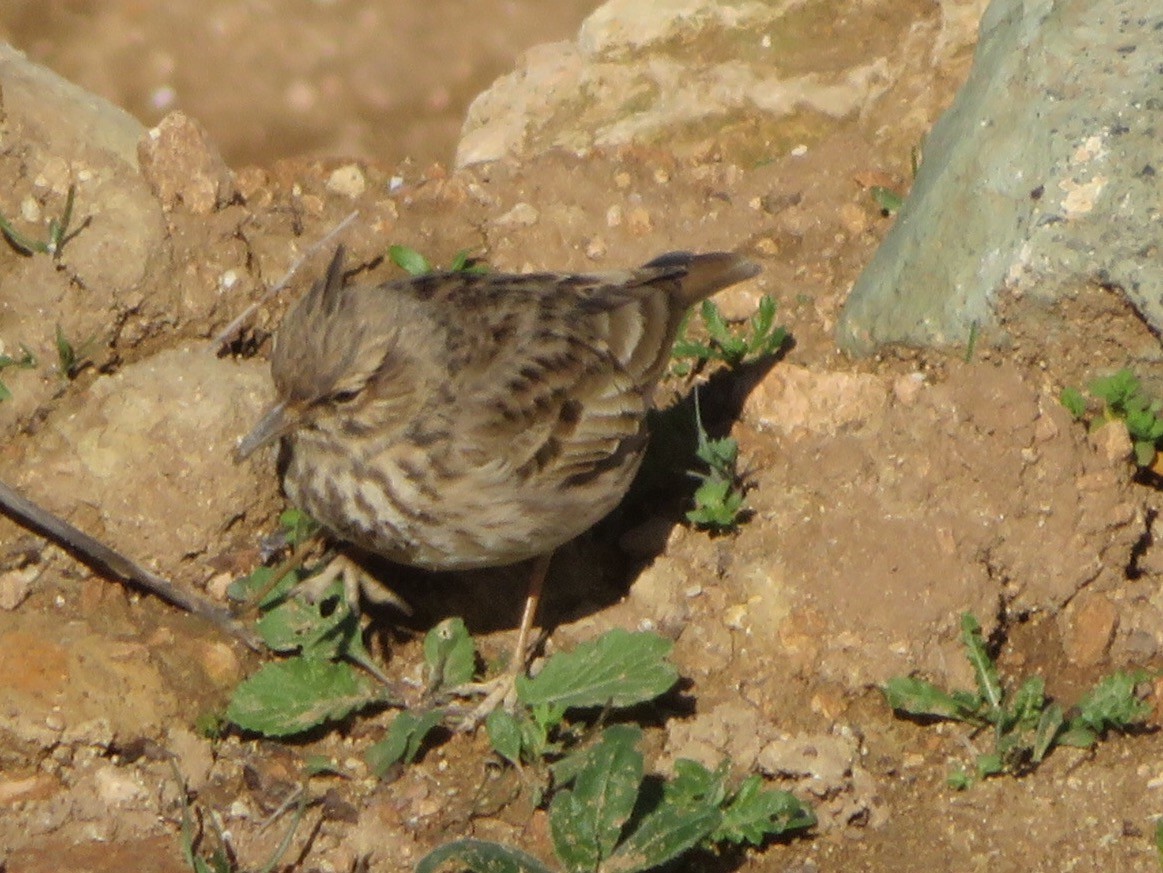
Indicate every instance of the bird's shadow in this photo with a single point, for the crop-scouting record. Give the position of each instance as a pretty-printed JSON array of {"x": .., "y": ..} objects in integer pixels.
[{"x": 592, "y": 572}]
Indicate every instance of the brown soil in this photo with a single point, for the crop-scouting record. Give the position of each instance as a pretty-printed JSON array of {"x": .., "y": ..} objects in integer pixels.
[{"x": 889, "y": 495}]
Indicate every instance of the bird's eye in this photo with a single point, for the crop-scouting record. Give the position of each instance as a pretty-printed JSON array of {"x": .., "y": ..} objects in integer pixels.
[{"x": 344, "y": 396}]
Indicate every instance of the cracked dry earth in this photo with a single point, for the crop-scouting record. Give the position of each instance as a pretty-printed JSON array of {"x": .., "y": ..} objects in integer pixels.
[{"x": 889, "y": 495}]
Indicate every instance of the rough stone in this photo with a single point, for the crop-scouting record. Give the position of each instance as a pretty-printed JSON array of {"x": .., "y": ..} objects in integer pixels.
[
  {"x": 143, "y": 458},
  {"x": 1088, "y": 627},
  {"x": 632, "y": 76},
  {"x": 794, "y": 398},
  {"x": 183, "y": 166},
  {"x": 1041, "y": 178}
]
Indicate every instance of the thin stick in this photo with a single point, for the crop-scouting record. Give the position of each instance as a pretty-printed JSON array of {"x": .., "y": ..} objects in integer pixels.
[
  {"x": 231, "y": 329},
  {"x": 110, "y": 562}
]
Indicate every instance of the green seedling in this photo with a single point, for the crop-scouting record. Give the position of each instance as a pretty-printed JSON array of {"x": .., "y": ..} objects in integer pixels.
[
  {"x": 415, "y": 264},
  {"x": 1024, "y": 725},
  {"x": 71, "y": 360},
  {"x": 607, "y": 816},
  {"x": 719, "y": 500},
  {"x": 26, "y": 361},
  {"x": 1122, "y": 398},
  {"x": 887, "y": 200},
  {"x": 759, "y": 338},
  {"x": 58, "y": 232}
]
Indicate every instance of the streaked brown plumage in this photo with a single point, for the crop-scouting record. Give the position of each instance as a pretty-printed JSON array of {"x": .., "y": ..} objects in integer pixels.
[{"x": 457, "y": 420}]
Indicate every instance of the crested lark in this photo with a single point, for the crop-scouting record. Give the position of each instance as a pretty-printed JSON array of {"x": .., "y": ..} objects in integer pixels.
[{"x": 458, "y": 420}]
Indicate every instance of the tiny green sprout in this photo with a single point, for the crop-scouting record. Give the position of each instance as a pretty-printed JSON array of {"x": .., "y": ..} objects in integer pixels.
[
  {"x": 71, "y": 360},
  {"x": 415, "y": 264},
  {"x": 26, "y": 361},
  {"x": 1074, "y": 403},
  {"x": 58, "y": 232},
  {"x": 1123, "y": 399},
  {"x": 971, "y": 344},
  {"x": 297, "y": 526},
  {"x": 888, "y": 200}
]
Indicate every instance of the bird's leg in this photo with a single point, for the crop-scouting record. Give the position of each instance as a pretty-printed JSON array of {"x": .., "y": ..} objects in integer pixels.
[
  {"x": 520, "y": 657},
  {"x": 502, "y": 690}
]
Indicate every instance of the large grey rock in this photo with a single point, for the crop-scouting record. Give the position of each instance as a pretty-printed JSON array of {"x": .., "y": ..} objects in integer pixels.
[{"x": 1042, "y": 177}]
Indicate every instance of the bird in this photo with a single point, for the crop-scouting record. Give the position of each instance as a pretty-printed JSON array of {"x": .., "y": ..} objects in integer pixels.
[{"x": 461, "y": 420}]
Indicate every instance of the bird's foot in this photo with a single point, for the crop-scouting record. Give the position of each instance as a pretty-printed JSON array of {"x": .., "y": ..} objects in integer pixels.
[
  {"x": 498, "y": 693},
  {"x": 358, "y": 584}
]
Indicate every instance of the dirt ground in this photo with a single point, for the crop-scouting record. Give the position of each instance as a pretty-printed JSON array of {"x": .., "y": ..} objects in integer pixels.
[{"x": 889, "y": 494}]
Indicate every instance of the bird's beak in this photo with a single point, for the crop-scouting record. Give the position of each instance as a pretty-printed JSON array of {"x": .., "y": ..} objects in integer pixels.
[{"x": 276, "y": 423}]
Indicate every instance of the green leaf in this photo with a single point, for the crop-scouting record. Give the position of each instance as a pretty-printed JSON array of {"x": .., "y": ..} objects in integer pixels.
[
  {"x": 990, "y": 765},
  {"x": 450, "y": 654},
  {"x": 297, "y": 525},
  {"x": 1074, "y": 402},
  {"x": 1076, "y": 736},
  {"x": 585, "y": 822},
  {"x": 663, "y": 834},
  {"x": 505, "y": 735},
  {"x": 405, "y": 738},
  {"x": 1113, "y": 704},
  {"x": 1025, "y": 710},
  {"x": 480, "y": 856},
  {"x": 1050, "y": 725},
  {"x": 959, "y": 780},
  {"x": 887, "y": 199},
  {"x": 410, "y": 260},
  {"x": 289, "y": 697},
  {"x": 619, "y": 669},
  {"x": 983, "y": 667},
  {"x": 1145, "y": 453},
  {"x": 463, "y": 262},
  {"x": 720, "y": 455},
  {"x": 1117, "y": 389},
  {"x": 326, "y": 629},
  {"x": 66, "y": 354},
  {"x": 320, "y": 765},
  {"x": 918, "y": 697},
  {"x": 694, "y": 784},
  {"x": 754, "y": 814}
]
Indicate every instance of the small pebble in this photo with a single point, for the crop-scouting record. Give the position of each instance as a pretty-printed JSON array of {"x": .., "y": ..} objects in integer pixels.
[{"x": 347, "y": 181}]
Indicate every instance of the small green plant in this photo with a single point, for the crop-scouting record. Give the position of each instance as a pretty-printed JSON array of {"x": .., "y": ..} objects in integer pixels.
[
  {"x": 887, "y": 200},
  {"x": 1025, "y": 725},
  {"x": 415, "y": 264},
  {"x": 26, "y": 361},
  {"x": 58, "y": 232},
  {"x": 318, "y": 681},
  {"x": 71, "y": 360},
  {"x": 719, "y": 500},
  {"x": 760, "y": 337},
  {"x": 607, "y": 815},
  {"x": 1122, "y": 398}
]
